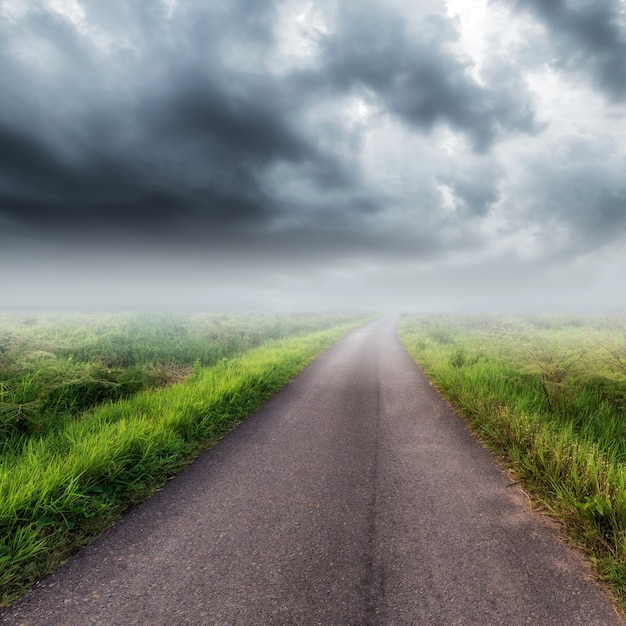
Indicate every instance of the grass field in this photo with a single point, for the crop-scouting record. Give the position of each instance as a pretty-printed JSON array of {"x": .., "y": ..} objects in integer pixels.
[
  {"x": 54, "y": 367},
  {"x": 548, "y": 395},
  {"x": 98, "y": 411}
]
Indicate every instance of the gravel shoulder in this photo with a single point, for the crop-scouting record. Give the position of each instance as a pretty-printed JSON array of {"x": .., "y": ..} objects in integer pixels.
[{"x": 354, "y": 496}]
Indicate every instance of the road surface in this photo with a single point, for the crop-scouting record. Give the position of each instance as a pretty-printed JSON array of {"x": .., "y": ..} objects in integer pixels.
[{"x": 353, "y": 497}]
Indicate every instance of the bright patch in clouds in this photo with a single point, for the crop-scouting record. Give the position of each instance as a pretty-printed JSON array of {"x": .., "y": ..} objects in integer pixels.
[
  {"x": 298, "y": 27},
  {"x": 70, "y": 8}
]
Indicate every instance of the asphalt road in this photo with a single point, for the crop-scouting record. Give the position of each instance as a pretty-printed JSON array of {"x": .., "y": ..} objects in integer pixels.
[{"x": 354, "y": 497}]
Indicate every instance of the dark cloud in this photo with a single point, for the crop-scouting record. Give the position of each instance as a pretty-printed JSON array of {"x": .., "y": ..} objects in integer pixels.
[
  {"x": 159, "y": 136},
  {"x": 578, "y": 202},
  {"x": 180, "y": 148},
  {"x": 587, "y": 36},
  {"x": 419, "y": 77},
  {"x": 475, "y": 187}
]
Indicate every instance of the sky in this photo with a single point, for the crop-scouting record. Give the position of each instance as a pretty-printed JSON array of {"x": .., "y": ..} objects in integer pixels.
[{"x": 292, "y": 155}]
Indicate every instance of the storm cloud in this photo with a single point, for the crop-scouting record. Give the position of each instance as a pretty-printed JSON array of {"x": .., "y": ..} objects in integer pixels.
[
  {"x": 416, "y": 76},
  {"x": 296, "y": 154},
  {"x": 586, "y": 37}
]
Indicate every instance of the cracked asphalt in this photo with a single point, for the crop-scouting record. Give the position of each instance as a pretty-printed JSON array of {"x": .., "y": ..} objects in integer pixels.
[{"x": 355, "y": 496}]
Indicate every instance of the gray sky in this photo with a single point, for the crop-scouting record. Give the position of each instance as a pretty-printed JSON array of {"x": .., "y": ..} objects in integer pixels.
[{"x": 292, "y": 155}]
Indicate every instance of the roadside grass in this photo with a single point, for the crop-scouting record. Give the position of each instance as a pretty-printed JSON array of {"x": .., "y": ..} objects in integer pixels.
[
  {"x": 53, "y": 367},
  {"x": 61, "y": 488},
  {"x": 547, "y": 394}
]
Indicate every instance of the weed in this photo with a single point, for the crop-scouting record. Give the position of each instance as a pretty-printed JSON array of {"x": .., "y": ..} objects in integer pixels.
[
  {"x": 548, "y": 395},
  {"x": 64, "y": 479}
]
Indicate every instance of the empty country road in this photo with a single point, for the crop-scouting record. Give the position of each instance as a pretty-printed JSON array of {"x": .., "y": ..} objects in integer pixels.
[{"x": 354, "y": 497}]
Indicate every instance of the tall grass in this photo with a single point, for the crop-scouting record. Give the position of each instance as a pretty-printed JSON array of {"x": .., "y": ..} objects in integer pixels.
[
  {"x": 54, "y": 367},
  {"x": 547, "y": 394},
  {"x": 62, "y": 488}
]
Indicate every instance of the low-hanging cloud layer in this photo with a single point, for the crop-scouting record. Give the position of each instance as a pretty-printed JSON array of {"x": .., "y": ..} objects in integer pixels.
[{"x": 304, "y": 155}]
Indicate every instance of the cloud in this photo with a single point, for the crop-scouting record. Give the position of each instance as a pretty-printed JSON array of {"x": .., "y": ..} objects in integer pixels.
[
  {"x": 301, "y": 143},
  {"x": 579, "y": 209},
  {"x": 154, "y": 132},
  {"x": 588, "y": 37},
  {"x": 186, "y": 143},
  {"x": 418, "y": 77}
]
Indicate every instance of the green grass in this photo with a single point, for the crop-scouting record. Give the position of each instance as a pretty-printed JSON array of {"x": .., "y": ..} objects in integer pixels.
[
  {"x": 54, "y": 367},
  {"x": 548, "y": 395},
  {"x": 60, "y": 487}
]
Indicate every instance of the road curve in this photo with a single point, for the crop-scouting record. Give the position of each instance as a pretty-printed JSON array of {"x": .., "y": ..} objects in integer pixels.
[{"x": 353, "y": 497}]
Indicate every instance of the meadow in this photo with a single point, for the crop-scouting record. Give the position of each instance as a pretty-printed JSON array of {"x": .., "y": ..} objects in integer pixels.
[
  {"x": 547, "y": 394},
  {"x": 98, "y": 411}
]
